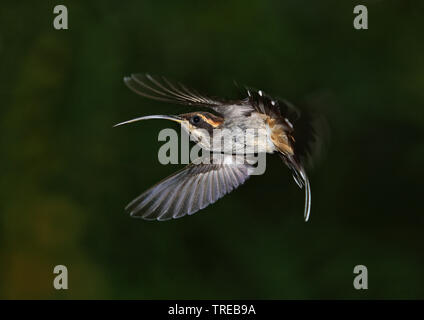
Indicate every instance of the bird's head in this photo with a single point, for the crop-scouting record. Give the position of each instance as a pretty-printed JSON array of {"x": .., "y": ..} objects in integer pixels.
[{"x": 199, "y": 125}]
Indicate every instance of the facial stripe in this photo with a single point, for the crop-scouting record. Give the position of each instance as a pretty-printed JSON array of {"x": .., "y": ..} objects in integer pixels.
[{"x": 214, "y": 123}]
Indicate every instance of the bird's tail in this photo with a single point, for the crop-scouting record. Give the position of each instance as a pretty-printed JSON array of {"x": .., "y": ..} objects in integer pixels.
[
  {"x": 301, "y": 179},
  {"x": 310, "y": 138}
]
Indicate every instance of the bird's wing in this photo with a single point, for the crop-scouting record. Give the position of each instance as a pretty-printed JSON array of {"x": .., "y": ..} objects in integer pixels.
[
  {"x": 191, "y": 189},
  {"x": 162, "y": 89}
]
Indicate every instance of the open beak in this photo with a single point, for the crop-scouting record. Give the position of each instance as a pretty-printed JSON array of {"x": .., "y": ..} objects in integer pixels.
[{"x": 172, "y": 118}]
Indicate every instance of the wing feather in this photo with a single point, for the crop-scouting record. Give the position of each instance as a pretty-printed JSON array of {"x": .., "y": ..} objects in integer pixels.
[
  {"x": 190, "y": 189},
  {"x": 162, "y": 89},
  {"x": 165, "y": 90}
]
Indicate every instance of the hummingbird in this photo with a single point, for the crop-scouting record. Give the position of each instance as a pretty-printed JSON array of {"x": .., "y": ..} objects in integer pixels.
[{"x": 288, "y": 134}]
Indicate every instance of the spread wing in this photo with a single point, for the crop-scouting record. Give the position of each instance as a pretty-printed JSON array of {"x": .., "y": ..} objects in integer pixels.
[
  {"x": 190, "y": 189},
  {"x": 162, "y": 89}
]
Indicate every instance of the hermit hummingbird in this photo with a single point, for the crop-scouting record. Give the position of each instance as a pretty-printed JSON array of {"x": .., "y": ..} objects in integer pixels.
[{"x": 288, "y": 132}]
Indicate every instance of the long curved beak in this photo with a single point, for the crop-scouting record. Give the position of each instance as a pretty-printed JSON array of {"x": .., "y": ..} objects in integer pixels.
[{"x": 172, "y": 118}]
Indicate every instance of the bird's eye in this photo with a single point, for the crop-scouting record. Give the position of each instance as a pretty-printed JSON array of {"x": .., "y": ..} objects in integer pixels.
[{"x": 195, "y": 119}]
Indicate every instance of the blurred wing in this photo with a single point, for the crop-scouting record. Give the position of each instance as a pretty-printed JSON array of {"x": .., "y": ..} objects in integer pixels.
[
  {"x": 308, "y": 128},
  {"x": 190, "y": 189},
  {"x": 162, "y": 89},
  {"x": 311, "y": 135}
]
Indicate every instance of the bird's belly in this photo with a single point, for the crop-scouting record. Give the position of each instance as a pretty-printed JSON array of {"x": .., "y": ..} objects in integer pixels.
[
  {"x": 244, "y": 141},
  {"x": 256, "y": 134}
]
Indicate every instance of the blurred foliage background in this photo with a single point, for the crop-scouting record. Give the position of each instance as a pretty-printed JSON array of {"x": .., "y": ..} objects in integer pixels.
[{"x": 67, "y": 174}]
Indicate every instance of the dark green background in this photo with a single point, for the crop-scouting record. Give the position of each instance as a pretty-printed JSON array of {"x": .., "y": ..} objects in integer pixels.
[{"x": 66, "y": 174}]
